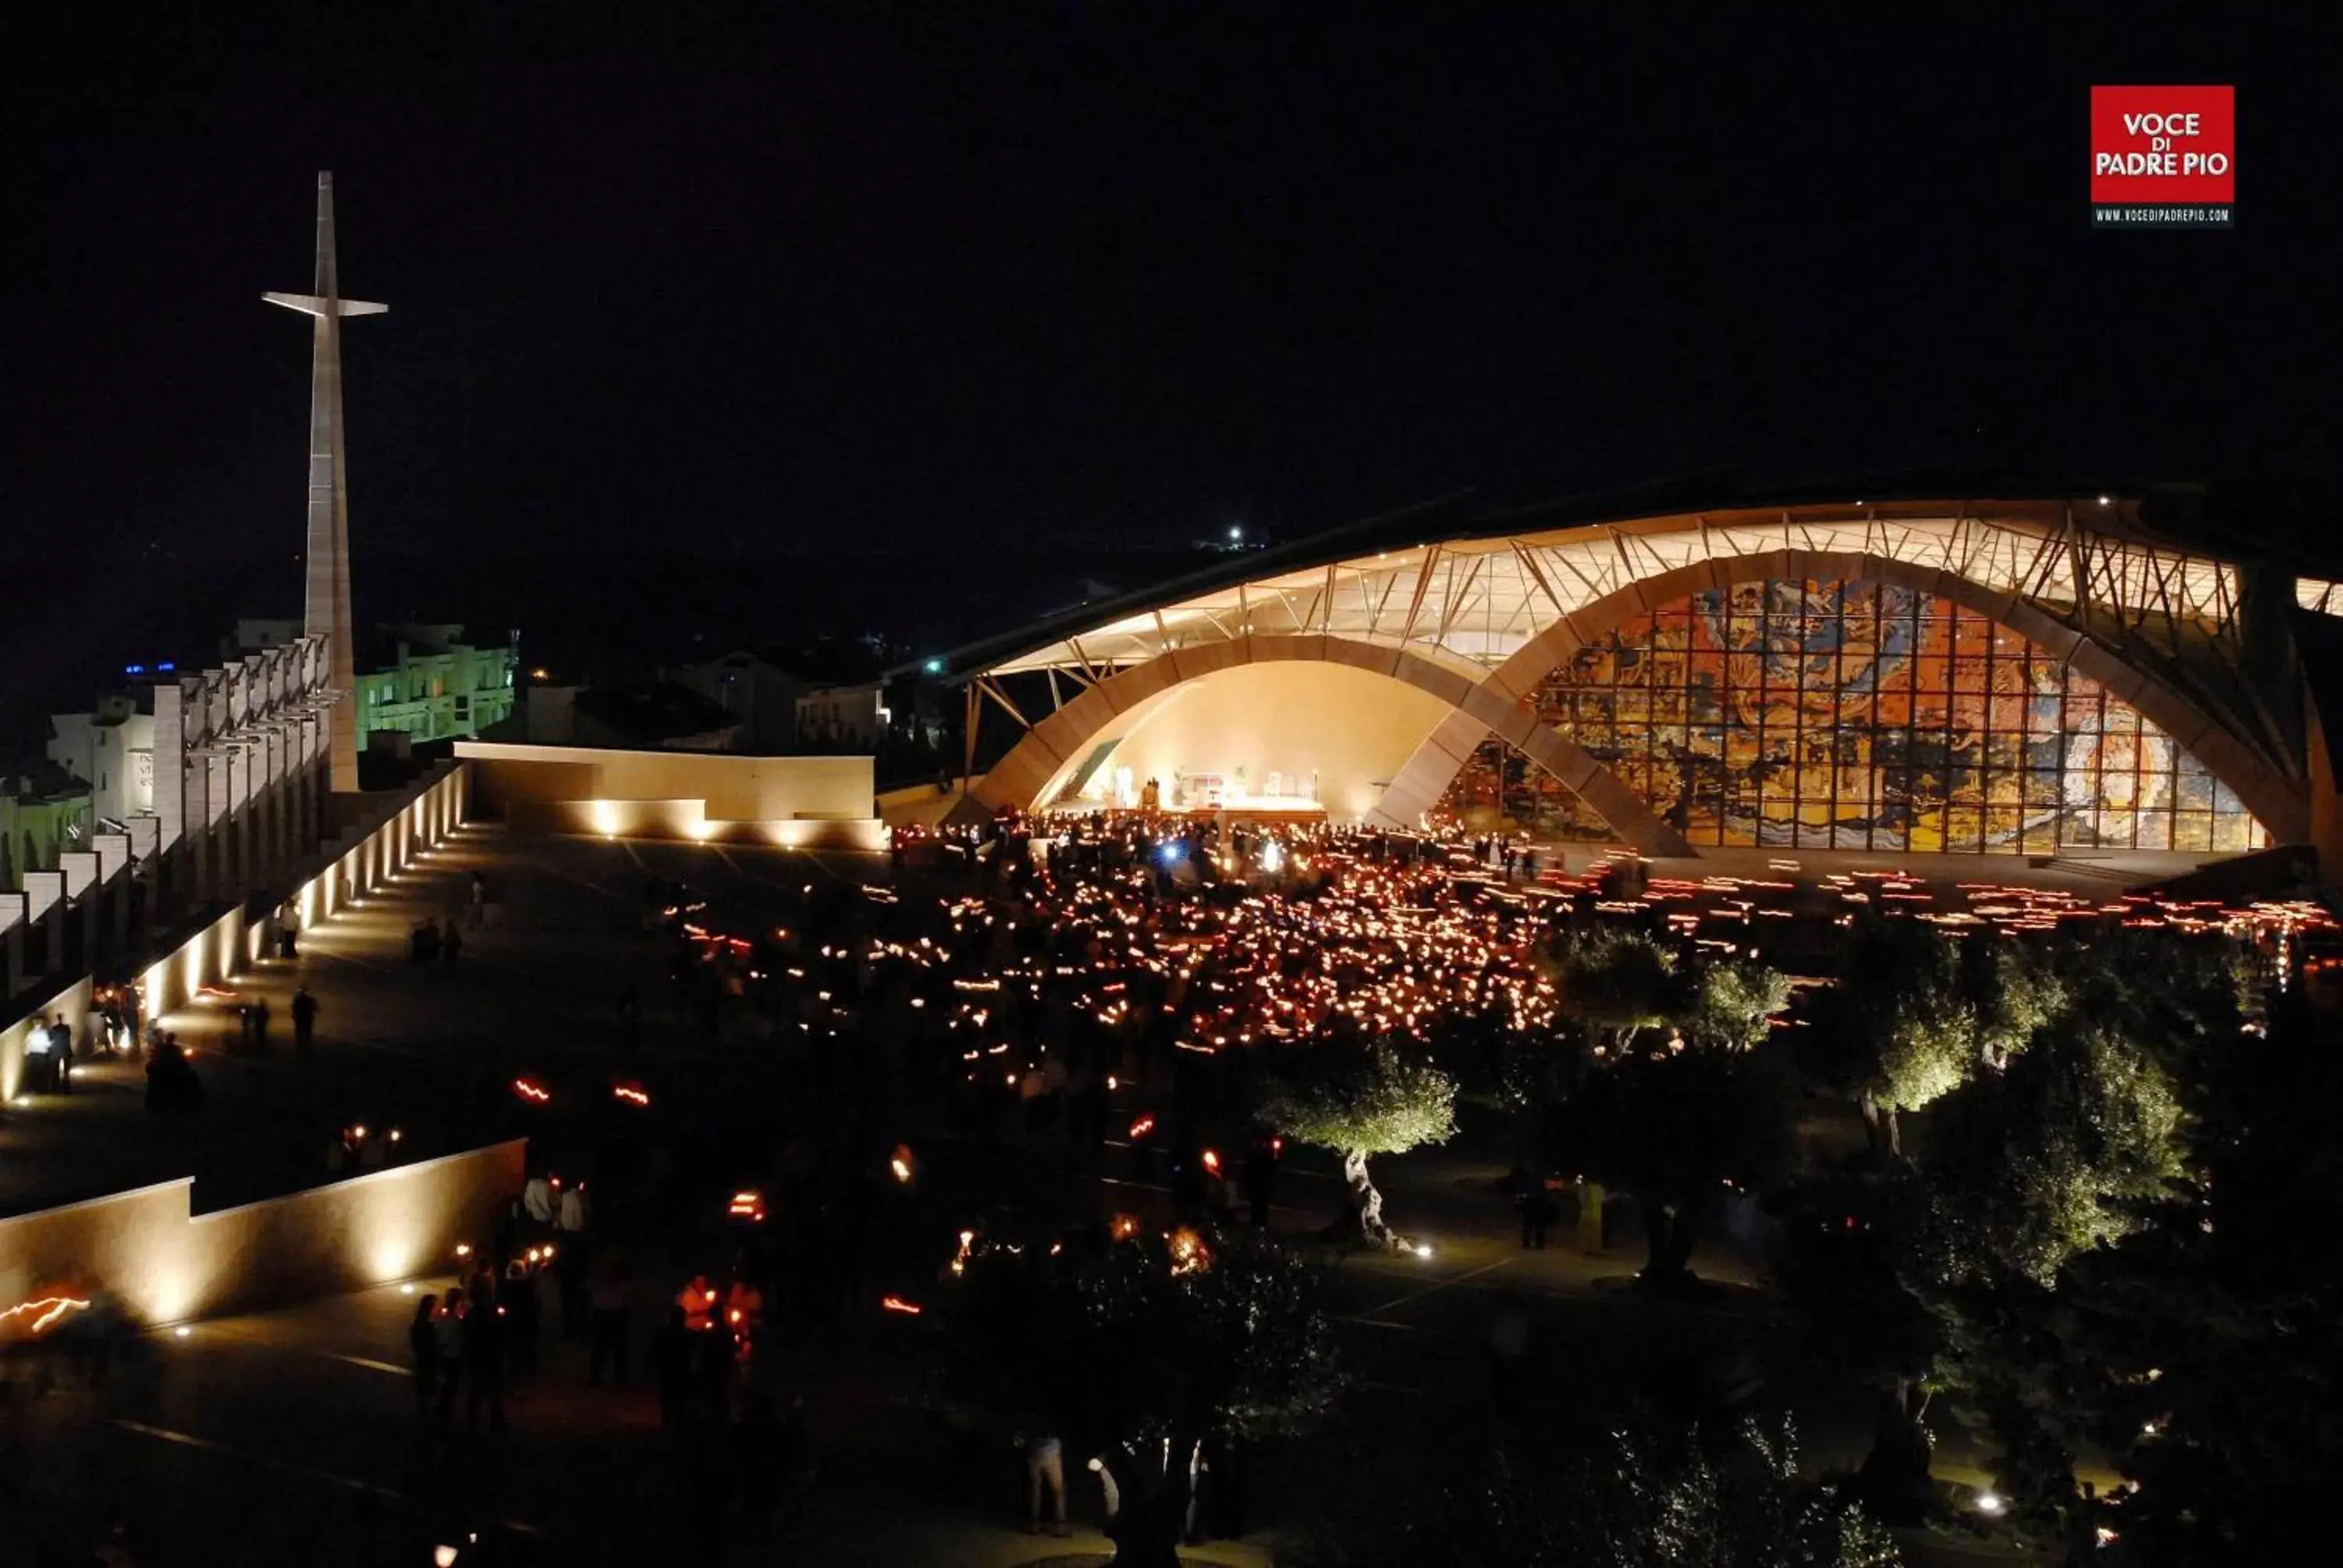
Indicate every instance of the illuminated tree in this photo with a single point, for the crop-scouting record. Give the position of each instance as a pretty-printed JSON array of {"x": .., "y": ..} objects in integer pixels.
[
  {"x": 1617, "y": 982},
  {"x": 1358, "y": 1101},
  {"x": 2027, "y": 1170},
  {"x": 1144, "y": 1352},
  {"x": 1902, "y": 1033},
  {"x": 2034, "y": 1164},
  {"x": 2018, "y": 993},
  {"x": 1731, "y": 1002}
]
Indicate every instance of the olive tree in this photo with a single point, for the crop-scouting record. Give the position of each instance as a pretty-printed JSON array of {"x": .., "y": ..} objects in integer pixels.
[
  {"x": 1617, "y": 982},
  {"x": 1902, "y": 1032},
  {"x": 1360, "y": 1101}
]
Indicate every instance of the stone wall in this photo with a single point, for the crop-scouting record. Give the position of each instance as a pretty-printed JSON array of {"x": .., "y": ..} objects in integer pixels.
[
  {"x": 164, "y": 1263},
  {"x": 797, "y": 802}
]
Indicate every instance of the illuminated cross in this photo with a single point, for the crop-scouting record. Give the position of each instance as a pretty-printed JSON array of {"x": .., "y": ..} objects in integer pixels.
[{"x": 328, "y": 561}]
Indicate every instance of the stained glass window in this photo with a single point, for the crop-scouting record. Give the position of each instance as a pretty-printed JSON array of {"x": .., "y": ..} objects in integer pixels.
[{"x": 1860, "y": 715}]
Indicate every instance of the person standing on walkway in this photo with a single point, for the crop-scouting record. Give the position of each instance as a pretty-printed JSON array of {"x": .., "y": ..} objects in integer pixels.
[
  {"x": 39, "y": 1064},
  {"x": 572, "y": 1214},
  {"x": 537, "y": 1200},
  {"x": 451, "y": 943},
  {"x": 305, "y": 1021},
  {"x": 423, "y": 1342},
  {"x": 1537, "y": 1210},
  {"x": 1045, "y": 1465},
  {"x": 60, "y": 1035},
  {"x": 259, "y": 1017}
]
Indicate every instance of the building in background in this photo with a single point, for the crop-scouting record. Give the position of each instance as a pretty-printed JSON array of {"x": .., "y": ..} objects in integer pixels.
[
  {"x": 823, "y": 696},
  {"x": 427, "y": 683},
  {"x": 421, "y": 680},
  {"x": 43, "y": 813},
  {"x": 758, "y": 687},
  {"x": 659, "y": 717},
  {"x": 852, "y": 717},
  {"x": 112, "y": 750}
]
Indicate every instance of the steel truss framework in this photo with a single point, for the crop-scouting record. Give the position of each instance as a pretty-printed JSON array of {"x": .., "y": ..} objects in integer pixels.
[{"x": 1497, "y": 612}]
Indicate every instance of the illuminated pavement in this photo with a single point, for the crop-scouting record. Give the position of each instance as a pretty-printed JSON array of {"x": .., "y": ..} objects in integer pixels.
[
  {"x": 292, "y": 1436},
  {"x": 399, "y": 1044}
]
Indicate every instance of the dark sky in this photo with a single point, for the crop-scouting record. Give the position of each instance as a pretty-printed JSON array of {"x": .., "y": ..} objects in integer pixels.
[{"x": 916, "y": 289}]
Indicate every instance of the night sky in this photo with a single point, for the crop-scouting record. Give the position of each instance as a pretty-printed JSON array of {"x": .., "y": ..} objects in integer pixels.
[{"x": 828, "y": 313}]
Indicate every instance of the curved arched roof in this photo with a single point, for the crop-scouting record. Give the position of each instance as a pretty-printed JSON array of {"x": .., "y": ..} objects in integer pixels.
[
  {"x": 1472, "y": 602},
  {"x": 1491, "y": 603}
]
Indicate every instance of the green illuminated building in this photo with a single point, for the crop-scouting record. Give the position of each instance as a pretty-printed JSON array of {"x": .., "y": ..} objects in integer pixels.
[{"x": 427, "y": 683}]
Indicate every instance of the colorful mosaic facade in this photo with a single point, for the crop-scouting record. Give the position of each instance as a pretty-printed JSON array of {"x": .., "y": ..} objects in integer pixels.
[{"x": 1860, "y": 715}]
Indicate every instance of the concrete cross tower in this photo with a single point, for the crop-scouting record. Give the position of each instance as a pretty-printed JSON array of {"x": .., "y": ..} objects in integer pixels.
[{"x": 329, "y": 556}]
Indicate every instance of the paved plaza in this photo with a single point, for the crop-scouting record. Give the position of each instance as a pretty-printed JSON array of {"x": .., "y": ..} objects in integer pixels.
[{"x": 282, "y": 1431}]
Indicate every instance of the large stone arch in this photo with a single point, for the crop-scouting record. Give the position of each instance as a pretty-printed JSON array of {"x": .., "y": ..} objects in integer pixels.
[
  {"x": 1017, "y": 781},
  {"x": 2278, "y": 802}
]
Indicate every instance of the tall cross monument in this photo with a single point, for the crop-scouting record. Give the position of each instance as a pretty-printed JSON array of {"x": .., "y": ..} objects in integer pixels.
[{"x": 328, "y": 559}]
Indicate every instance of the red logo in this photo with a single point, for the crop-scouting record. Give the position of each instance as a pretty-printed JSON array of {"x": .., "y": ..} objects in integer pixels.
[{"x": 2164, "y": 148}]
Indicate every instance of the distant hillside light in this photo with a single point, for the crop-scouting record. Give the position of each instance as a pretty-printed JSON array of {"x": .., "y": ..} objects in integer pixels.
[
  {"x": 935, "y": 666},
  {"x": 1235, "y": 532}
]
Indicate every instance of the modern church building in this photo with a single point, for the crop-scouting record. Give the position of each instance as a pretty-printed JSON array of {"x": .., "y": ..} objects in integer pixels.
[{"x": 2030, "y": 678}]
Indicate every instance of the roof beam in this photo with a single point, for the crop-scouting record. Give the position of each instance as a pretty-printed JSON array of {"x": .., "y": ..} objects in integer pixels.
[{"x": 984, "y": 684}]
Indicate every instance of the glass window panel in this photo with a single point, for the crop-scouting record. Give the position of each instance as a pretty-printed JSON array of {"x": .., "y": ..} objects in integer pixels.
[
  {"x": 2043, "y": 711},
  {"x": 1970, "y": 673},
  {"x": 2041, "y": 832},
  {"x": 1849, "y": 712},
  {"x": 2006, "y": 709}
]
